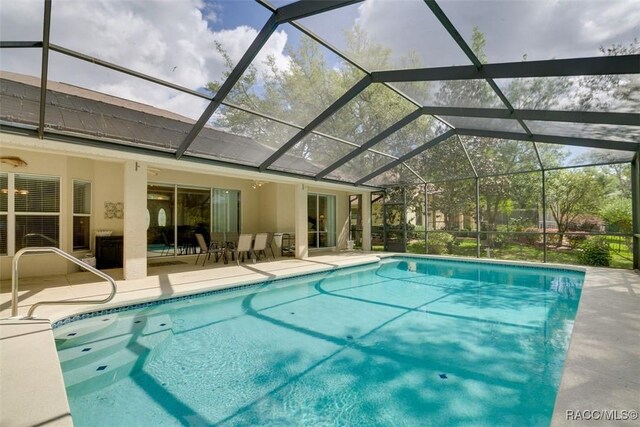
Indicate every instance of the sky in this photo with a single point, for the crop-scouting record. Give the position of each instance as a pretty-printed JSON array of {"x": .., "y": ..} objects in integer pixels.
[{"x": 175, "y": 40}]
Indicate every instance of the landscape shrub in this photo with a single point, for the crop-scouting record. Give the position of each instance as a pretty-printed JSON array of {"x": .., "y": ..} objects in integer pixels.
[
  {"x": 595, "y": 251},
  {"x": 440, "y": 243},
  {"x": 530, "y": 239}
]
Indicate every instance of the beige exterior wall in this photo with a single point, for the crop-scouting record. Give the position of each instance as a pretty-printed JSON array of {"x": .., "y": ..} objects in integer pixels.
[
  {"x": 108, "y": 186},
  {"x": 269, "y": 207},
  {"x": 276, "y": 207}
]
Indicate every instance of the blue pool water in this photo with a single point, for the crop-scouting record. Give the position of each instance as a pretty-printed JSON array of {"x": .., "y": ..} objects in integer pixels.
[{"x": 407, "y": 341}]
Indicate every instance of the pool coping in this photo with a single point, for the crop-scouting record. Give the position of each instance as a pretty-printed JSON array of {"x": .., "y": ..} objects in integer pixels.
[{"x": 568, "y": 398}]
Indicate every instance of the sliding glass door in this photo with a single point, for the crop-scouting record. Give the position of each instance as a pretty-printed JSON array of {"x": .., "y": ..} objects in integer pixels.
[
  {"x": 193, "y": 215},
  {"x": 321, "y": 212},
  {"x": 176, "y": 213},
  {"x": 160, "y": 228}
]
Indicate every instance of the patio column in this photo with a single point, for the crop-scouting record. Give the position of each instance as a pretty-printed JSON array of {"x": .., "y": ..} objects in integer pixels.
[
  {"x": 366, "y": 221},
  {"x": 135, "y": 220},
  {"x": 301, "y": 221}
]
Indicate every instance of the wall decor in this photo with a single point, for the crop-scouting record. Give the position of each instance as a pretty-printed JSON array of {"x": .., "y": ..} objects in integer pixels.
[{"x": 113, "y": 210}]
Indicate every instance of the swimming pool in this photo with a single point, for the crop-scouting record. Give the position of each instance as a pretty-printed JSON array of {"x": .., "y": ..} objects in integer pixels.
[{"x": 407, "y": 341}]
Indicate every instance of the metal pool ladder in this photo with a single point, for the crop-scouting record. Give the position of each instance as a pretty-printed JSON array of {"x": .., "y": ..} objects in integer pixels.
[{"x": 82, "y": 264}]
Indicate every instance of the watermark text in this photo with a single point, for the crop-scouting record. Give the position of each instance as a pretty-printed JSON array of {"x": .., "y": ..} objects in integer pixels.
[{"x": 601, "y": 415}]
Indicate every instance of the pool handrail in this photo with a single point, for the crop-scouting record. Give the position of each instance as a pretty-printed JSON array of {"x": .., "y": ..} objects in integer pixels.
[{"x": 82, "y": 264}]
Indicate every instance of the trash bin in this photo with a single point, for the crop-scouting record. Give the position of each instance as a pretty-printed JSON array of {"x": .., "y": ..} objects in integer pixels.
[{"x": 349, "y": 245}]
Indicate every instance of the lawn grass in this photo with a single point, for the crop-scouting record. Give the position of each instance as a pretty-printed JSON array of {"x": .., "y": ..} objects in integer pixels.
[{"x": 621, "y": 255}]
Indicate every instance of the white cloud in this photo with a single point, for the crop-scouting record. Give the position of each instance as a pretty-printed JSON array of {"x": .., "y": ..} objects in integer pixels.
[
  {"x": 170, "y": 40},
  {"x": 541, "y": 29}
]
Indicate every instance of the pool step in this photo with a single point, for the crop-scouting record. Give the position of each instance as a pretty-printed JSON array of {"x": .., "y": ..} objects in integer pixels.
[
  {"x": 92, "y": 330},
  {"x": 117, "y": 359},
  {"x": 83, "y": 331},
  {"x": 83, "y": 354}
]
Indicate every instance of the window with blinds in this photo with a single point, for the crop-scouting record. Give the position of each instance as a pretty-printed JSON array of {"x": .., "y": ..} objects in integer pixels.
[
  {"x": 4, "y": 208},
  {"x": 81, "y": 214},
  {"x": 39, "y": 194},
  {"x": 36, "y": 213}
]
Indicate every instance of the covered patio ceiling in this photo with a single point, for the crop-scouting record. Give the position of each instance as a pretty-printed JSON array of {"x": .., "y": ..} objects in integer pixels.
[{"x": 350, "y": 106}]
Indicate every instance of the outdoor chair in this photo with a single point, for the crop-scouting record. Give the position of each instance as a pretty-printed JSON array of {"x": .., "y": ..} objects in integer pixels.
[
  {"x": 231, "y": 241},
  {"x": 288, "y": 244},
  {"x": 270, "y": 244},
  {"x": 260, "y": 245},
  {"x": 277, "y": 240},
  {"x": 219, "y": 244},
  {"x": 218, "y": 238},
  {"x": 243, "y": 247},
  {"x": 213, "y": 248},
  {"x": 204, "y": 249},
  {"x": 167, "y": 244}
]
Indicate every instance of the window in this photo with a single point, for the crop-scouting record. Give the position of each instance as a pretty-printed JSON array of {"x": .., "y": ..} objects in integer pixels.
[
  {"x": 4, "y": 209},
  {"x": 321, "y": 220},
  {"x": 81, "y": 214},
  {"x": 36, "y": 210}
]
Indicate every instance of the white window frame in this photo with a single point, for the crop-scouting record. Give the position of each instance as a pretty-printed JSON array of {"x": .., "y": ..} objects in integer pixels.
[{"x": 74, "y": 215}]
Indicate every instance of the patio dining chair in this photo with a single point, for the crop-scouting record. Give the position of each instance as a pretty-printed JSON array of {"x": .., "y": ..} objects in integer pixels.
[
  {"x": 270, "y": 240},
  {"x": 260, "y": 245},
  {"x": 277, "y": 240},
  {"x": 168, "y": 246},
  {"x": 207, "y": 250},
  {"x": 243, "y": 247},
  {"x": 231, "y": 241},
  {"x": 217, "y": 237},
  {"x": 204, "y": 249}
]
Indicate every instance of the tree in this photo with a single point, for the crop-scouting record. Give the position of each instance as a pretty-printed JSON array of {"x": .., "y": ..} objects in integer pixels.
[
  {"x": 617, "y": 215},
  {"x": 310, "y": 83},
  {"x": 572, "y": 192}
]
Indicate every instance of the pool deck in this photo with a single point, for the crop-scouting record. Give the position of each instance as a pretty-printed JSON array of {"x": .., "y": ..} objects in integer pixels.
[{"x": 601, "y": 372}]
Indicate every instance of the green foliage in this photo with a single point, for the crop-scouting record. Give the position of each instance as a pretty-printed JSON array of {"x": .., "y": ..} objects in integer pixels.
[
  {"x": 506, "y": 206},
  {"x": 576, "y": 239},
  {"x": 572, "y": 192},
  {"x": 531, "y": 238},
  {"x": 595, "y": 251},
  {"x": 618, "y": 216},
  {"x": 440, "y": 243},
  {"x": 452, "y": 199}
]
